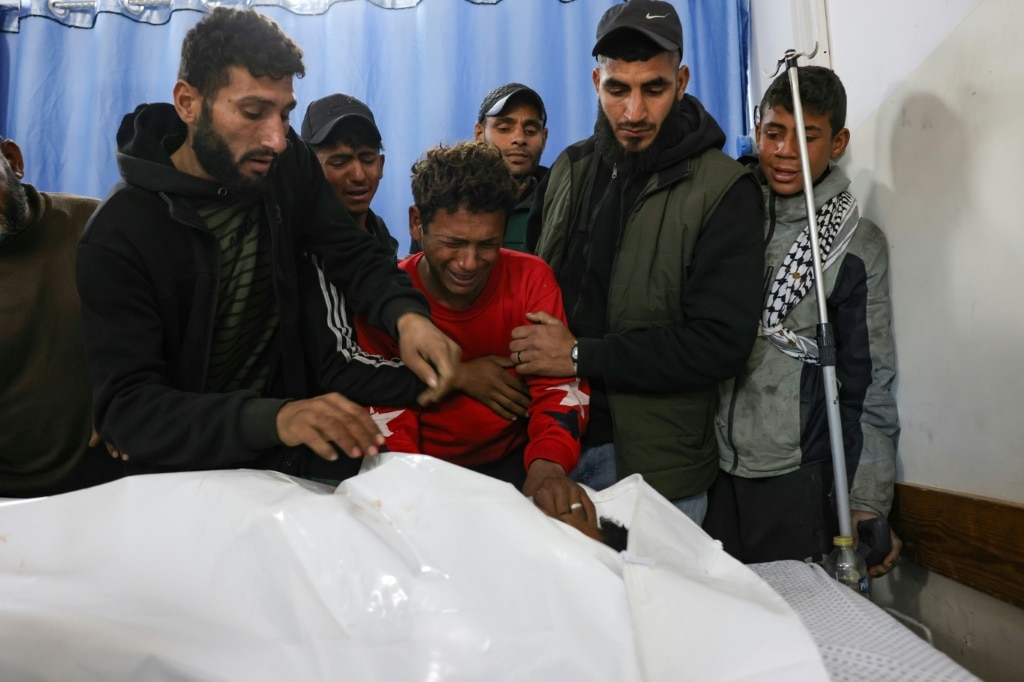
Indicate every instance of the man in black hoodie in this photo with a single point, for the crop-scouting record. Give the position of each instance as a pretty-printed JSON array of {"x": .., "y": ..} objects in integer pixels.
[
  {"x": 186, "y": 272},
  {"x": 655, "y": 237}
]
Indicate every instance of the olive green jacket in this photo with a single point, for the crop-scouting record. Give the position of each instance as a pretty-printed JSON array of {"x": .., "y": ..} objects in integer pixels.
[{"x": 664, "y": 427}]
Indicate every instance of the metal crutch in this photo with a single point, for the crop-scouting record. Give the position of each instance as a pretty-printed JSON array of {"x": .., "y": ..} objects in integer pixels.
[
  {"x": 875, "y": 542},
  {"x": 824, "y": 336}
]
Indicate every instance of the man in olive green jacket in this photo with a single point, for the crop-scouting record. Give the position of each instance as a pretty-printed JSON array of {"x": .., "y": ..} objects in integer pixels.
[{"x": 655, "y": 236}]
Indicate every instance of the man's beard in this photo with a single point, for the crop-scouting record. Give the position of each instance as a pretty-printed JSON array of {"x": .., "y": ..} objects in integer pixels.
[
  {"x": 523, "y": 176},
  {"x": 646, "y": 160},
  {"x": 14, "y": 210},
  {"x": 214, "y": 155}
]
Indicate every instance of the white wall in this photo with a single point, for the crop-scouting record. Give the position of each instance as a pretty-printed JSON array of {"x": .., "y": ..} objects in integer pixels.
[
  {"x": 872, "y": 44},
  {"x": 937, "y": 164},
  {"x": 935, "y": 91}
]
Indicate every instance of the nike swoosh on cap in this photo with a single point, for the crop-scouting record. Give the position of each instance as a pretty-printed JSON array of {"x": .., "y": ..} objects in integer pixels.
[{"x": 657, "y": 16}]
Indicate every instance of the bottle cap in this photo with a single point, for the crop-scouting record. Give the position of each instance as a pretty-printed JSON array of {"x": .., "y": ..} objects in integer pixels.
[{"x": 842, "y": 541}]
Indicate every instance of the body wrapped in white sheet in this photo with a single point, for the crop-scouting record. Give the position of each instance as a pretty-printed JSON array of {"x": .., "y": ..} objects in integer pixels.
[{"x": 415, "y": 570}]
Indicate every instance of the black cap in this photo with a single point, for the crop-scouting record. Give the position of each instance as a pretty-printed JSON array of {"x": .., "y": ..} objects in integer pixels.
[
  {"x": 656, "y": 20},
  {"x": 325, "y": 113},
  {"x": 495, "y": 101}
]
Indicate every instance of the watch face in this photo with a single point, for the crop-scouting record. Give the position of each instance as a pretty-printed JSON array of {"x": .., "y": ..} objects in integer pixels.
[{"x": 575, "y": 353}]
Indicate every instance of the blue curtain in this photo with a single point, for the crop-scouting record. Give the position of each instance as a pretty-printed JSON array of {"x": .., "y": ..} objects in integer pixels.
[{"x": 422, "y": 70}]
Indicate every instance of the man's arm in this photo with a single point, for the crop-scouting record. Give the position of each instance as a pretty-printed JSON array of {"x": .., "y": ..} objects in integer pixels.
[
  {"x": 136, "y": 408},
  {"x": 721, "y": 306},
  {"x": 488, "y": 381},
  {"x": 398, "y": 423},
  {"x": 362, "y": 268},
  {"x": 140, "y": 407},
  {"x": 866, "y": 369},
  {"x": 557, "y": 417},
  {"x": 340, "y": 363}
]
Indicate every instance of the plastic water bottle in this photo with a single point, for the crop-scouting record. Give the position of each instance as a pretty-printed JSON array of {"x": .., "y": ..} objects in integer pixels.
[{"x": 846, "y": 566}]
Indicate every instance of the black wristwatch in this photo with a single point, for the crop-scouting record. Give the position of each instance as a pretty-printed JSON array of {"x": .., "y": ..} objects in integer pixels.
[{"x": 575, "y": 355}]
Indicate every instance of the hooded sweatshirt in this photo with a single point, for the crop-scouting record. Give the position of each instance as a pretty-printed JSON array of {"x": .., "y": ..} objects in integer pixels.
[
  {"x": 772, "y": 419},
  {"x": 148, "y": 277}
]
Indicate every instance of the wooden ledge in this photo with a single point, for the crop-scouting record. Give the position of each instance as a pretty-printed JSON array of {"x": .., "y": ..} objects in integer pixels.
[{"x": 977, "y": 541}]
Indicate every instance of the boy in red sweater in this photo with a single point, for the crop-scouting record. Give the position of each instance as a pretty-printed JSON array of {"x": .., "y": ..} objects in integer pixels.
[{"x": 478, "y": 293}]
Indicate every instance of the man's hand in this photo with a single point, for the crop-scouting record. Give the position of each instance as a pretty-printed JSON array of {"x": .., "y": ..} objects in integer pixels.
[
  {"x": 95, "y": 440},
  {"x": 327, "y": 421},
  {"x": 543, "y": 348},
  {"x": 431, "y": 355},
  {"x": 892, "y": 558},
  {"x": 487, "y": 380},
  {"x": 555, "y": 493}
]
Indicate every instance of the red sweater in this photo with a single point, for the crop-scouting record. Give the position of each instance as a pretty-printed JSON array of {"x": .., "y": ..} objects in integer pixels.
[{"x": 463, "y": 430}]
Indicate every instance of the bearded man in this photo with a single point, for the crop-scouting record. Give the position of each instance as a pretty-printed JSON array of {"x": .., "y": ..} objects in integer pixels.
[
  {"x": 655, "y": 237},
  {"x": 187, "y": 274}
]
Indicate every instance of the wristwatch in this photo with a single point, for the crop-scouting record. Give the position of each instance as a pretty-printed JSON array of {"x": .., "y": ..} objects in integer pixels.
[{"x": 575, "y": 355}]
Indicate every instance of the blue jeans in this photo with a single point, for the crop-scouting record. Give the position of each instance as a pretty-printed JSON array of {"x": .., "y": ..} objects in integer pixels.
[
  {"x": 596, "y": 467},
  {"x": 597, "y": 470}
]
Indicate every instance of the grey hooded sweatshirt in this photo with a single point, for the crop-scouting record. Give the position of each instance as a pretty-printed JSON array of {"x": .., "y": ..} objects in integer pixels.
[{"x": 772, "y": 419}]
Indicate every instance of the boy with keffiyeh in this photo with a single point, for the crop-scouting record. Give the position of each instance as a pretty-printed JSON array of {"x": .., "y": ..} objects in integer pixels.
[{"x": 773, "y": 498}]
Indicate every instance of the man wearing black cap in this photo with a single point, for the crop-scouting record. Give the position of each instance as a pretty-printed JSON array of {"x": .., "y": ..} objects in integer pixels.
[
  {"x": 344, "y": 135},
  {"x": 656, "y": 239},
  {"x": 512, "y": 117}
]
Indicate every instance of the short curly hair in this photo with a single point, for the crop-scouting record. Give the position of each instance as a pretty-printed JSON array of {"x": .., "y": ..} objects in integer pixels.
[
  {"x": 468, "y": 175},
  {"x": 230, "y": 37},
  {"x": 821, "y": 93}
]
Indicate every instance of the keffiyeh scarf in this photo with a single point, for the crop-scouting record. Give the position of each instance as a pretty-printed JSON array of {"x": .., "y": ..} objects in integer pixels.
[{"x": 837, "y": 221}]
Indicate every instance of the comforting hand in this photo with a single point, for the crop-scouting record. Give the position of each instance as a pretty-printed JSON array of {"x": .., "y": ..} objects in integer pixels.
[
  {"x": 555, "y": 493},
  {"x": 327, "y": 421},
  {"x": 431, "y": 355},
  {"x": 892, "y": 558},
  {"x": 488, "y": 381},
  {"x": 543, "y": 348}
]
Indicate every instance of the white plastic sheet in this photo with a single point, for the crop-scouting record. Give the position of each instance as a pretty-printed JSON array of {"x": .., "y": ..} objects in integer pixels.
[{"x": 415, "y": 570}]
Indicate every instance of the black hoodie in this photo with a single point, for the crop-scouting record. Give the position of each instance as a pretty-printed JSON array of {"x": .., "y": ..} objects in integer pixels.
[{"x": 148, "y": 278}]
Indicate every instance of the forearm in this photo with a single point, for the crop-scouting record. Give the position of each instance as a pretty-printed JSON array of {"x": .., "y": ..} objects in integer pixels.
[
  {"x": 558, "y": 417},
  {"x": 137, "y": 406},
  {"x": 330, "y": 336},
  {"x": 875, "y": 476},
  {"x": 165, "y": 427},
  {"x": 866, "y": 366},
  {"x": 554, "y": 449},
  {"x": 354, "y": 261}
]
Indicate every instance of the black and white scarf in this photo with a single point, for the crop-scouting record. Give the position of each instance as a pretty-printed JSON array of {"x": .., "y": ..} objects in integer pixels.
[{"x": 837, "y": 221}]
